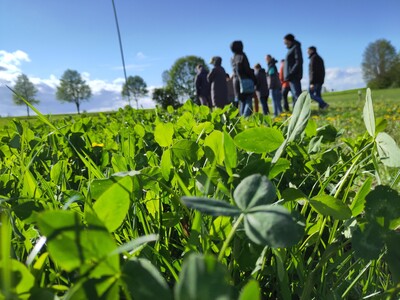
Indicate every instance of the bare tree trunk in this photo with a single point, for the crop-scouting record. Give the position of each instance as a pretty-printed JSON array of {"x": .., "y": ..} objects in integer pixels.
[
  {"x": 77, "y": 106},
  {"x": 27, "y": 110}
]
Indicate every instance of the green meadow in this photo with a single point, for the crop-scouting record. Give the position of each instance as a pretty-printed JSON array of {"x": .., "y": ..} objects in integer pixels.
[{"x": 190, "y": 203}]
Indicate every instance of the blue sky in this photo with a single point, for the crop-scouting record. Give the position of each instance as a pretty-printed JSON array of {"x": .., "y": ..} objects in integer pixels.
[{"x": 43, "y": 38}]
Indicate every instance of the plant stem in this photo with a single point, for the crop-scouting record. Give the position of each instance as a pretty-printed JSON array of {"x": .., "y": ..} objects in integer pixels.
[
  {"x": 229, "y": 238},
  {"x": 5, "y": 241}
]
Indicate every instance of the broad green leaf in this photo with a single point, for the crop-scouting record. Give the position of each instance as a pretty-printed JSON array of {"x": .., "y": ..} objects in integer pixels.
[
  {"x": 112, "y": 198},
  {"x": 388, "y": 151},
  {"x": 357, "y": 206},
  {"x": 72, "y": 245},
  {"x": 301, "y": 114},
  {"x": 163, "y": 134},
  {"x": 280, "y": 166},
  {"x": 230, "y": 152},
  {"x": 202, "y": 277},
  {"x": 383, "y": 205},
  {"x": 30, "y": 186},
  {"x": 21, "y": 280},
  {"x": 368, "y": 114},
  {"x": 330, "y": 206},
  {"x": 272, "y": 225},
  {"x": 58, "y": 170},
  {"x": 139, "y": 130},
  {"x": 204, "y": 127},
  {"x": 381, "y": 124},
  {"x": 254, "y": 190},
  {"x": 328, "y": 133},
  {"x": 251, "y": 291},
  {"x": 211, "y": 207},
  {"x": 259, "y": 139},
  {"x": 393, "y": 256},
  {"x": 292, "y": 194},
  {"x": 311, "y": 128},
  {"x": 367, "y": 241},
  {"x": 215, "y": 141},
  {"x": 105, "y": 287},
  {"x": 185, "y": 150},
  {"x": 144, "y": 281},
  {"x": 166, "y": 164}
]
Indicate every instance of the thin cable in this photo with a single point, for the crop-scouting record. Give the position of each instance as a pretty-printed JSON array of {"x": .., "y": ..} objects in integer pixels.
[{"x": 122, "y": 51}]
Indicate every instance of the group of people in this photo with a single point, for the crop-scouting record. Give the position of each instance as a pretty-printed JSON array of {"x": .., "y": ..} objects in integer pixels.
[{"x": 217, "y": 89}]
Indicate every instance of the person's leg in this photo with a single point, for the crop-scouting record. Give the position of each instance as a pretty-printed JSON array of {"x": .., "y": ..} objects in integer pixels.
[
  {"x": 248, "y": 105},
  {"x": 277, "y": 100},
  {"x": 264, "y": 105},
  {"x": 295, "y": 89},
  {"x": 316, "y": 96},
  {"x": 256, "y": 108},
  {"x": 285, "y": 92},
  {"x": 203, "y": 100}
]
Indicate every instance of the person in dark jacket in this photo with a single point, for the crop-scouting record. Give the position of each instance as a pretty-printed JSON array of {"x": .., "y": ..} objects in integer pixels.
[
  {"x": 317, "y": 76},
  {"x": 274, "y": 84},
  {"x": 217, "y": 79},
  {"x": 203, "y": 86},
  {"x": 293, "y": 69},
  {"x": 262, "y": 91},
  {"x": 241, "y": 70}
]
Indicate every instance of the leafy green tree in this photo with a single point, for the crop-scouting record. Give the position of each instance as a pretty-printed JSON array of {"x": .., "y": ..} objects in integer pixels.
[
  {"x": 25, "y": 89},
  {"x": 378, "y": 59},
  {"x": 134, "y": 87},
  {"x": 182, "y": 75},
  {"x": 73, "y": 88},
  {"x": 395, "y": 72},
  {"x": 165, "y": 77},
  {"x": 166, "y": 96}
]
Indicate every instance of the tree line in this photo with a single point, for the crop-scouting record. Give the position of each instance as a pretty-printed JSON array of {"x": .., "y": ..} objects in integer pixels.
[
  {"x": 74, "y": 89},
  {"x": 380, "y": 67}
]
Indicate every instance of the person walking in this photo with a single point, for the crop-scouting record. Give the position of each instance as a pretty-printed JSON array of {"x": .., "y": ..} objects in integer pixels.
[
  {"x": 285, "y": 86},
  {"x": 316, "y": 71},
  {"x": 243, "y": 79},
  {"x": 203, "y": 86},
  {"x": 293, "y": 69},
  {"x": 274, "y": 84},
  {"x": 262, "y": 91},
  {"x": 217, "y": 80},
  {"x": 231, "y": 93}
]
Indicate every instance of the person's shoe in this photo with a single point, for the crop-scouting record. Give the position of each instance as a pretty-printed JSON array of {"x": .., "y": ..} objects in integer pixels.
[{"x": 325, "y": 107}]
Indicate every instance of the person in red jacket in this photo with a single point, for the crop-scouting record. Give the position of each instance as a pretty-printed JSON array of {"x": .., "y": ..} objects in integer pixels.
[{"x": 285, "y": 86}]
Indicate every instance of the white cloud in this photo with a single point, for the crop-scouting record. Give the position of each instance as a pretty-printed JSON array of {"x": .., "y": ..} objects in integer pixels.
[
  {"x": 10, "y": 63},
  {"x": 344, "y": 79},
  {"x": 13, "y": 58},
  {"x": 140, "y": 56}
]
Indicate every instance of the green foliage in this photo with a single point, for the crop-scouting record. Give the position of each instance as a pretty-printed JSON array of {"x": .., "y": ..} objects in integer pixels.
[
  {"x": 190, "y": 203},
  {"x": 23, "y": 88},
  {"x": 73, "y": 88},
  {"x": 182, "y": 75},
  {"x": 202, "y": 277},
  {"x": 136, "y": 87},
  {"x": 165, "y": 97},
  {"x": 380, "y": 61}
]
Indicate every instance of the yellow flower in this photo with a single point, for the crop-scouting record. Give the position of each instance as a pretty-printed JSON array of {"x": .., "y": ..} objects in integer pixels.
[{"x": 94, "y": 144}]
